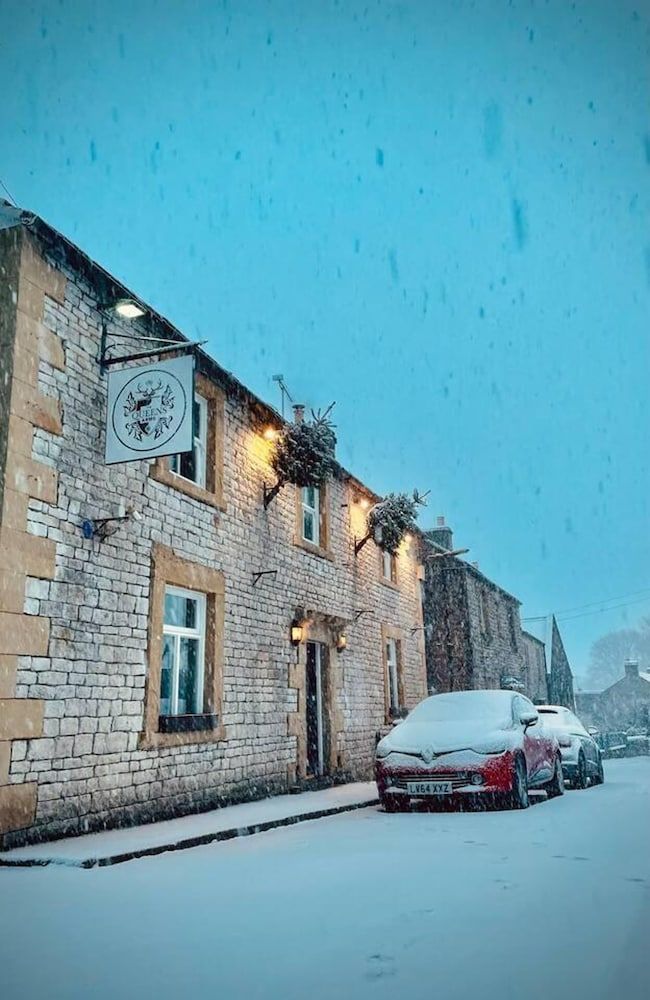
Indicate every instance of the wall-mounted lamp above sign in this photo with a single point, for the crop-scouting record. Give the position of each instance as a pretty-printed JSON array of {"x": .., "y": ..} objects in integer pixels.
[
  {"x": 128, "y": 309},
  {"x": 149, "y": 411}
]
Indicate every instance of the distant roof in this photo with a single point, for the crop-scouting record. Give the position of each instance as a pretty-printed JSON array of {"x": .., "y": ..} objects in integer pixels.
[
  {"x": 529, "y": 635},
  {"x": 472, "y": 570}
]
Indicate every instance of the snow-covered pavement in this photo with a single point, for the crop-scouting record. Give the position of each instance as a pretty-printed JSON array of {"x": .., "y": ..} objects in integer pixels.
[{"x": 551, "y": 903}]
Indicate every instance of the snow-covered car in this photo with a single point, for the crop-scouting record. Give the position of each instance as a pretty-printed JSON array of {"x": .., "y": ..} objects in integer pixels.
[
  {"x": 582, "y": 761},
  {"x": 468, "y": 744}
]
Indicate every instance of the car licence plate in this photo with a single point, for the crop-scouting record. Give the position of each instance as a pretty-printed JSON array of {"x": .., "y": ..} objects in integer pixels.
[{"x": 428, "y": 787}]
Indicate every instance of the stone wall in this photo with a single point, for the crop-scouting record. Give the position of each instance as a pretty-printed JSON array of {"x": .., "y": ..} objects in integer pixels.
[
  {"x": 85, "y": 606},
  {"x": 495, "y": 633},
  {"x": 472, "y": 627},
  {"x": 535, "y": 668},
  {"x": 27, "y": 412}
]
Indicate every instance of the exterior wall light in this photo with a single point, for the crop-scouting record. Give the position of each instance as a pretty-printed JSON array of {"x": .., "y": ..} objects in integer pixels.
[
  {"x": 296, "y": 633},
  {"x": 364, "y": 503},
  {"x": 270, "y": 434},
  {"x": 341, "y": 642},
  {"x": 128, "y": 309}
]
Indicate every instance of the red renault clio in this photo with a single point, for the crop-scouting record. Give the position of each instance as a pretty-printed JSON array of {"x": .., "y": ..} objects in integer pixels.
[{"x": 468, "y": 744}]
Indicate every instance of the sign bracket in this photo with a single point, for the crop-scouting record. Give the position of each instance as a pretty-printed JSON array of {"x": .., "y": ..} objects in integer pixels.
[{"x": 106, "y": 359}]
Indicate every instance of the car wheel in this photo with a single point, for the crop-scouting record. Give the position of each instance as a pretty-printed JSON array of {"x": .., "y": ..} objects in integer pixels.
[
  {"x": 518, "y": 798},
  {"x": 392, "y": 804},
  {"x": 555, "y": 786},
  {"x": 580, "y": 780},
  {"x": 599, "y": 776}
]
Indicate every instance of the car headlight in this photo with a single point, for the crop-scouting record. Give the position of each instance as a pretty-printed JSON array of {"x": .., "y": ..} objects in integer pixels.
[
  {"x": 489, "y": 750},
  {"x": 382, "y": 751}
]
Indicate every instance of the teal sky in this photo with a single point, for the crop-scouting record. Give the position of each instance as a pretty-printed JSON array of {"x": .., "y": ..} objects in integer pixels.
[{"x": 434, "y": 213}]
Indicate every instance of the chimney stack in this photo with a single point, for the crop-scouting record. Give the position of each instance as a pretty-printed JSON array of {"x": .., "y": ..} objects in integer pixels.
[
  {"x": 441, "y": 535},
  {"x": 631, "y": 668},
  {"x": 298, "y": 413}
]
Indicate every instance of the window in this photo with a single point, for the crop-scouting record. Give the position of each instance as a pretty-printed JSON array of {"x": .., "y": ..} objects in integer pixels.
[
  {"x": 512, "y": 621},
  {"x": 199, "y": 472},
  {"x": 388, "y": 566},
  {"x": 484, "y": 614},
  {"x": 392, "y": 676},
  {"x": 192, "y": 464},
  {"x": 184, "y": 682},
  {"x": 311, "y": 514},
  {"x": 181, "y": 673}
]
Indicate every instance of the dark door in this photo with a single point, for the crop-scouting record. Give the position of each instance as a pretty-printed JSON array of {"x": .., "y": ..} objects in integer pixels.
[{"x": 316, "y": 709}]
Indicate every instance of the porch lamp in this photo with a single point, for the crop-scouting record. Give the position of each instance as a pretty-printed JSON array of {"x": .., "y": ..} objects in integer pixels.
[
  {"x": 296, "y": 632},
  {"x": 341, "y": 642}
]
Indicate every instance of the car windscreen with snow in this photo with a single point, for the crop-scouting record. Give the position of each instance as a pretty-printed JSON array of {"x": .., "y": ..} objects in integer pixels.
[
  {"x": 483, "y": 708},
  {"x": 560, "y": 719}
]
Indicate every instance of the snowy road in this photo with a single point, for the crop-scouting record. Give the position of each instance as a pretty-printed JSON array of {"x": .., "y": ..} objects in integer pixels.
[{"x": 553, "y": 902}]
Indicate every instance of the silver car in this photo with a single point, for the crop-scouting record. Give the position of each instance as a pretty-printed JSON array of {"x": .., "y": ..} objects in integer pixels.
[{"x": 582, "y": 762}]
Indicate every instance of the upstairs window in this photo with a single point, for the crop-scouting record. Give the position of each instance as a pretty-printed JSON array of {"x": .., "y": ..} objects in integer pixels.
[
  {"x": 310, "y": 497},
  {"x": 192, "y": 464},
  {"x": 388, "y": 566},
  {"x": 181, "y": 674},
  {"x": 392, "y": 654}
]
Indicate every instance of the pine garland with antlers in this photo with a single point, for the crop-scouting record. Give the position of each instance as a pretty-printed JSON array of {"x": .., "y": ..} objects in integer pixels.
[{"x": 304, "y": 452}]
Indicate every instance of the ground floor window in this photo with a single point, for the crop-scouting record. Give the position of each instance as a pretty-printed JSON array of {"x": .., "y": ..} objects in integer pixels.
[
  {"x": 182, "y": 668},
  {"x": 184, "y": 684}
]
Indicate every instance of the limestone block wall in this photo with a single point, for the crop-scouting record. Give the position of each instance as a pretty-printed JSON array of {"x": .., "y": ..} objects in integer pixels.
[
  {"x": 75, "y": 652},
  {"x": 26, "y": 410},
  {"x": 496, "y": 639},
  {"x": 535, "y": 662}
]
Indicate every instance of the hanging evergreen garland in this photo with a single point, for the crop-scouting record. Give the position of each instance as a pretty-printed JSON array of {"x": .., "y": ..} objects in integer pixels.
[
  {"x": 304, "y": 453},
  {"x": 391, "y": 519}
]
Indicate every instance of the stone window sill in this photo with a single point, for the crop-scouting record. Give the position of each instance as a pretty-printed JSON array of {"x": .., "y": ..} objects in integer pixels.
[
  {"x": 202, "y": 723},
  {"x": 156, "y": 741},
  {"x": 315, "y": 550},
  {"x": 388, "y": 583},
  {"x": 162, "y": 474}
]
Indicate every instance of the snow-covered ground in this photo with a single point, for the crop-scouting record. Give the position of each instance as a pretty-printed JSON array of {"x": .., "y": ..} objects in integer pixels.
[{"x": 553, "y": 902}]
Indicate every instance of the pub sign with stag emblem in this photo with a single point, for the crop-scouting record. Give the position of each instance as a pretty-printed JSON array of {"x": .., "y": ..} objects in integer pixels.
[{"x": 150, "y": 410}]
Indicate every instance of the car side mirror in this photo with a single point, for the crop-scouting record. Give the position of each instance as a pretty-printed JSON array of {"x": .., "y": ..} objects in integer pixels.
[{"x": 529, "y": 719}]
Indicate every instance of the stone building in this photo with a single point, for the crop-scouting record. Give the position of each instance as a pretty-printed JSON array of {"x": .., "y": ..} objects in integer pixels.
[
  {"x": 625, "y": 705},
  {"x": 473, "y": 636},
  {"x": 535, "y": 668},
  {"x": 147, "y": 610},
  {"x": 559, "y": 679}
]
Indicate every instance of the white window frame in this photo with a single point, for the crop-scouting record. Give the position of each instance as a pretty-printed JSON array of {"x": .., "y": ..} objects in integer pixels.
[
  {"x": 307, "y": 508},
  {"x": 199, "y": 446},
  {"x": 178, "y": 632},
  {"x": 392, "y": 670}
]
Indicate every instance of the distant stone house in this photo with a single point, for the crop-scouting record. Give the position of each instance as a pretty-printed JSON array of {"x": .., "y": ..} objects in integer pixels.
[
  {"x": 623, "y": 706},
  {"x": 559, "y": 678},
  {"x": 535, "y": 668},
  {"x": 473, "y": 636},
  {"x": 147, "y": 666}
]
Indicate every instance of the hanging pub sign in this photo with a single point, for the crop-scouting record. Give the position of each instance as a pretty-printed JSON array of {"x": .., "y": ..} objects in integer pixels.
[{"x": 149, "y": 410}]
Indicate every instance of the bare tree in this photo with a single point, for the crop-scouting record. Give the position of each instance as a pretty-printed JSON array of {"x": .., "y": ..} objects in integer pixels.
[{"x": 609, "y": 653}]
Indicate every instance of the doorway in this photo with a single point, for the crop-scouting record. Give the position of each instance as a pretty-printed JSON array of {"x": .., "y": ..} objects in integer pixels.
[{"x": 316, "y": 702}]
